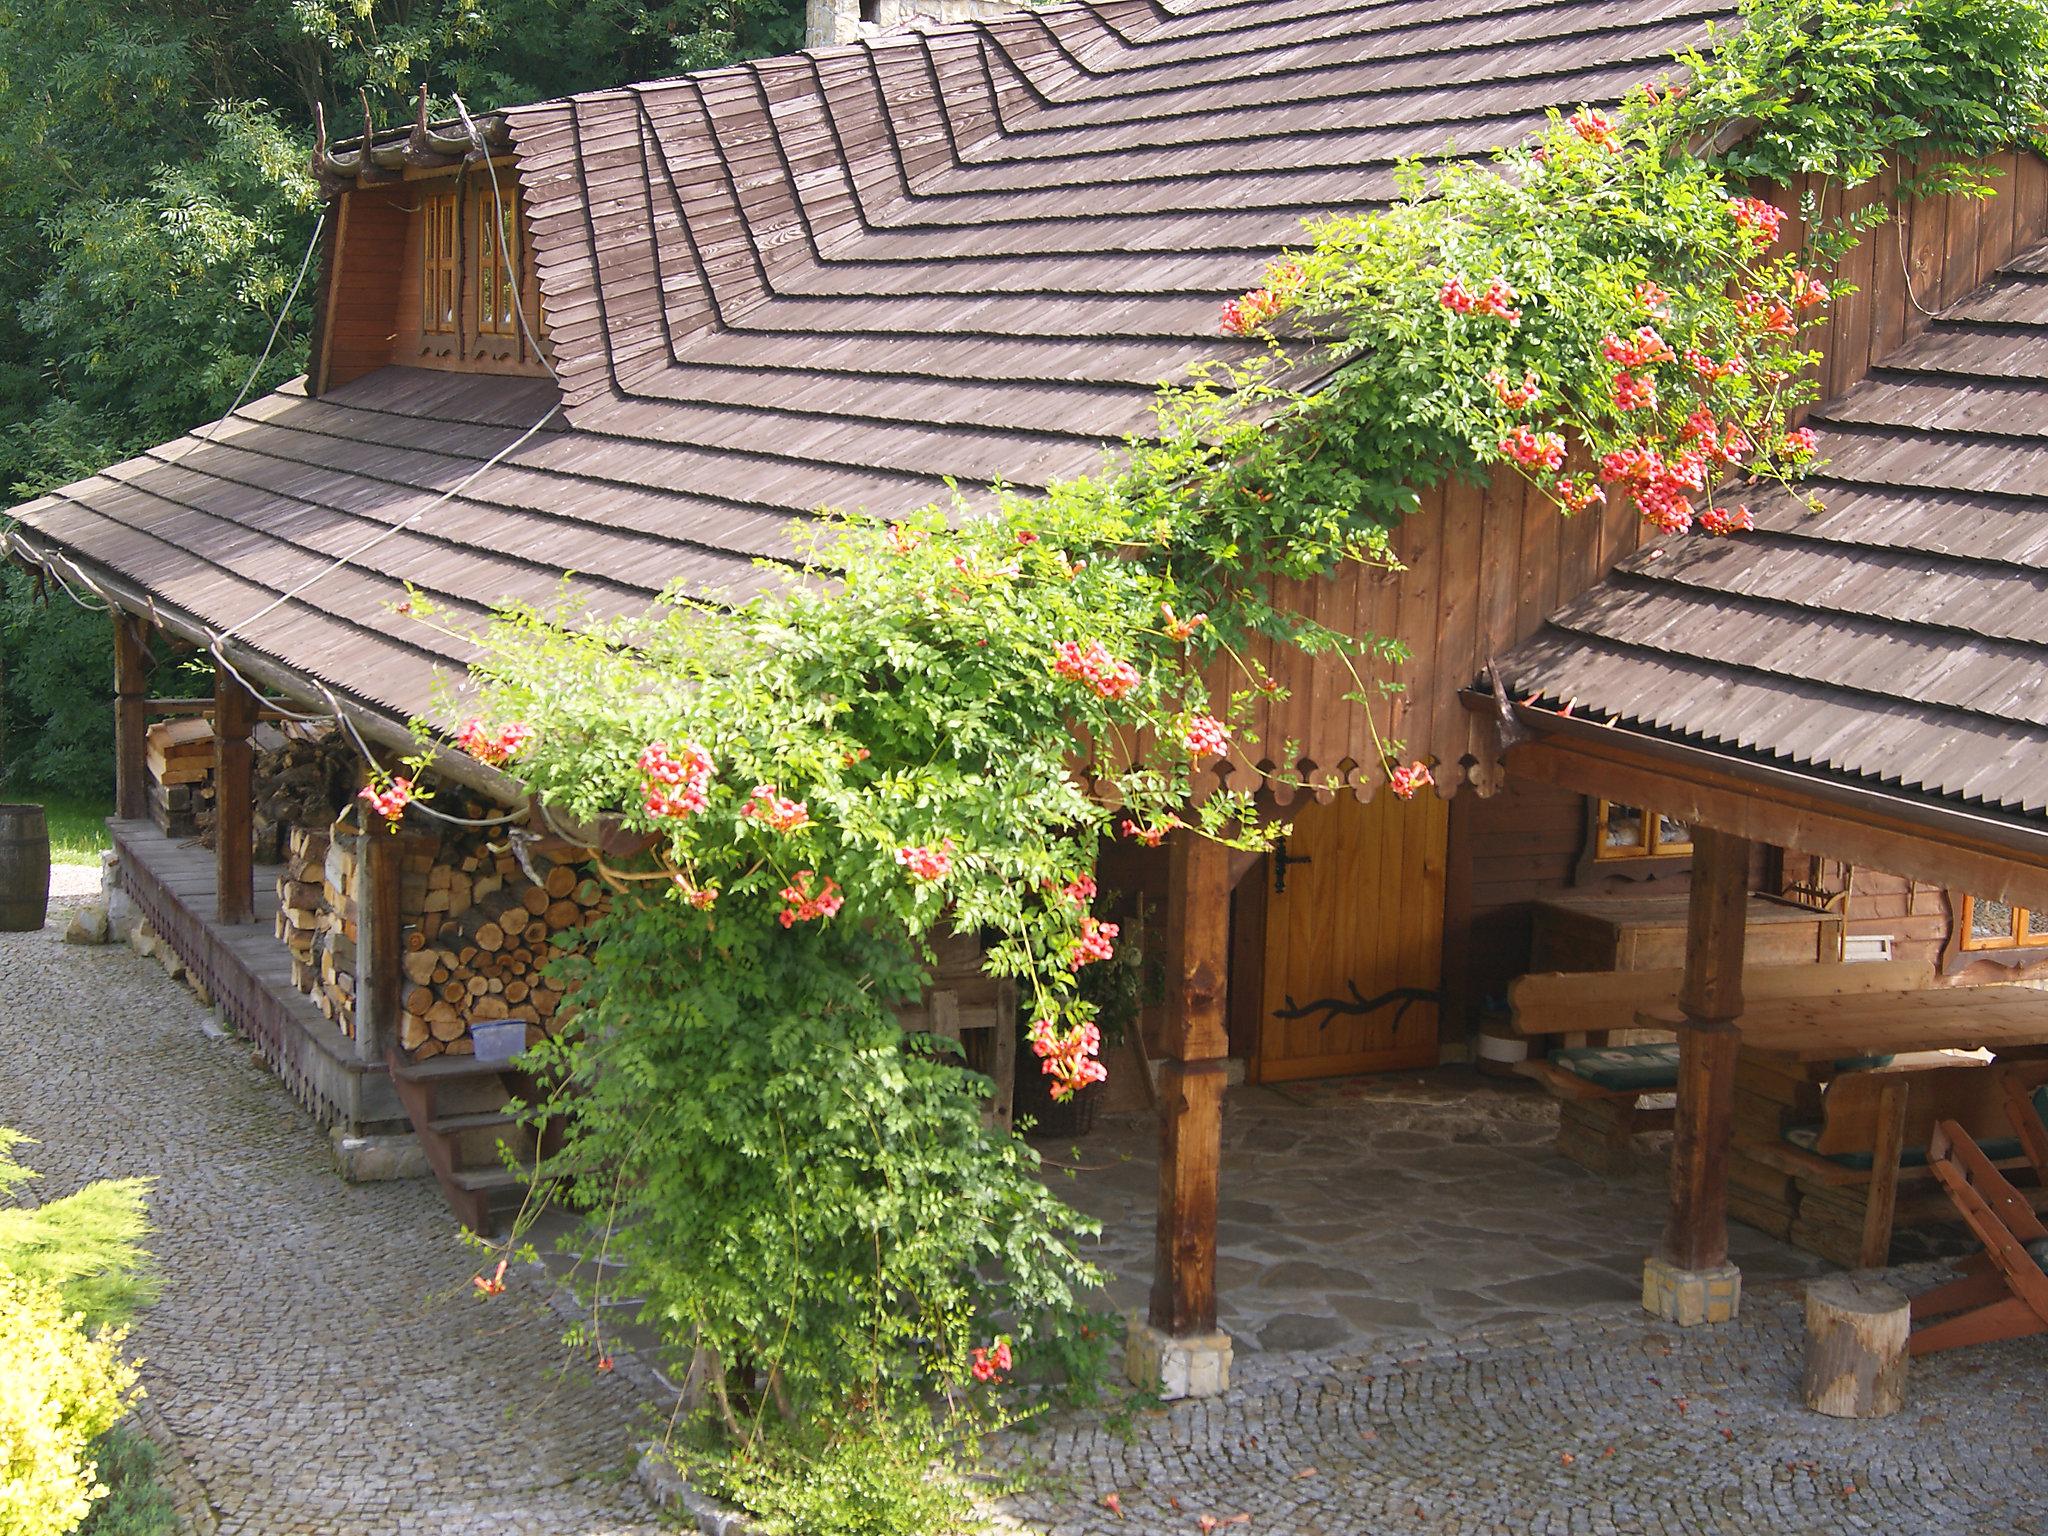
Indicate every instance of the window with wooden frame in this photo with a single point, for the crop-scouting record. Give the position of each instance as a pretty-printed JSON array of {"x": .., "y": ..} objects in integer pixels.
[
  {"x": 1637, "y": 832},
  {"x": 440, "y": 265},
  {"x": 498, "y": 267},
  {"x": 1987, "y": 924}
]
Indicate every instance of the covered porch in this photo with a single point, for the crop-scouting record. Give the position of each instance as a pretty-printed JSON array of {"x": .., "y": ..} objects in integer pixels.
[{"x": 1391, "y": 1222}]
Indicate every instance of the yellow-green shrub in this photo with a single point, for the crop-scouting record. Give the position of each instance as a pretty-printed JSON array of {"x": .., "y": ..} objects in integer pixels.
[{"x": 60, "y": 1389}]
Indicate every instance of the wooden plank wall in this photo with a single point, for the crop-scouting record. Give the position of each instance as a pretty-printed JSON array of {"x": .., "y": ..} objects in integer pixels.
[
  {"x": 1484, "y": 566},
  {"x": 367, "y": 260},
  {"x": 1524, "y": 843}
]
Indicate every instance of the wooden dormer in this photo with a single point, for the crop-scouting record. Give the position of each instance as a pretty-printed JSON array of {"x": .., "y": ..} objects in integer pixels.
[{"x": 419, "y": 275}]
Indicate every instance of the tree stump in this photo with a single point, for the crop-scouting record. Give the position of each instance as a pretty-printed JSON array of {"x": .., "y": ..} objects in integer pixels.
[{"x": 1855, "y": 1347}]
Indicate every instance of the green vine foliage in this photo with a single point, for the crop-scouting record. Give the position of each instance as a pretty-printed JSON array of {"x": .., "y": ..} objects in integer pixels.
[
  {"x": 887, "y": 745},
  {"x": 1839, "y": 87}
]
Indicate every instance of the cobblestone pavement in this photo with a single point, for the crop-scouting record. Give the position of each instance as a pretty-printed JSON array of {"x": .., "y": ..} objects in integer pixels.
[
  {"x": 1600, "y": 1424},
  {"x": 315, "y": 1352},
  {"x": 1359, "y": 1208}
]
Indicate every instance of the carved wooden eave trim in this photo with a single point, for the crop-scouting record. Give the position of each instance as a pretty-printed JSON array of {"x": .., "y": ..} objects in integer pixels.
[{"x": 374, "y": 158}]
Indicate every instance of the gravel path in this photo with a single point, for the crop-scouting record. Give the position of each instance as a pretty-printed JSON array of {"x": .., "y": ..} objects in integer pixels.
[{"x": 316, "y": 1353}]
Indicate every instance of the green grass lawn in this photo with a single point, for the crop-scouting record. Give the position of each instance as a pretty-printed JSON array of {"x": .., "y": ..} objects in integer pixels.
[{"x": 78, "y": 825}]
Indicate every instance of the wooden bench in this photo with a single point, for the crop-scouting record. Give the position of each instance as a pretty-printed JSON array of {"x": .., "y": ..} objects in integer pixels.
[
  {"x": 1861, "y": 1171},
  {"x": 1600, "y": 1113}
]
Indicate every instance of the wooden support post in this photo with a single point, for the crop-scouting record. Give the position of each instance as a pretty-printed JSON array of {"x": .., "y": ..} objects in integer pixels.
[
  {"x": 1195, "y": 1049},
  {"x": 1690, "y": 1280},
  {"x": 131, "y": 722},
  {"x": 234, "y": 830},
  {"x": 1710, "y": 998},
  {"x": 378, "y": 948}
]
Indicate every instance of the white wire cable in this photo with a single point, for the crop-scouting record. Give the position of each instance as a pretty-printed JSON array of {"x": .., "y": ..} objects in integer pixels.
[
  {"x": 498, "y": 225},
  {"x": 277, "y": 325}
]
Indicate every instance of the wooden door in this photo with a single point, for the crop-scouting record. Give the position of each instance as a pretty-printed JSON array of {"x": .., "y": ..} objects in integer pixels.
[{"x": 1354, "y": 941}]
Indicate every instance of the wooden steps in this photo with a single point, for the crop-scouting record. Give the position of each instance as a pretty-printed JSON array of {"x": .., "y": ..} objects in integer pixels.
[{"x": 459, "y": 1110}]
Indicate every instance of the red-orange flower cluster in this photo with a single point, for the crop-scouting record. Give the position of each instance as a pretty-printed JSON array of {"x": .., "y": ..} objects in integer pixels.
[
  {"x": 1070, "y": 1055},
  {"x": 775, "y": 811},
  {"x": 927, "y": 863},
  {"x": 1095, "y": 943},
  {"x": 1093, "y": 665},
  {"x": 389, "y": 802},
  {"x": 802, "y": 905},
  {"x": 675, "y": 785},
  {"x": 1406, "y": 781},
  {"x": 990, "y": 1363},
  {"x": 493, "y": 747}
]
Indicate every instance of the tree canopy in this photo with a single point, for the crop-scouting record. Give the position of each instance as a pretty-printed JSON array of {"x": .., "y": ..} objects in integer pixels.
[{"x": 154, "y": 199}]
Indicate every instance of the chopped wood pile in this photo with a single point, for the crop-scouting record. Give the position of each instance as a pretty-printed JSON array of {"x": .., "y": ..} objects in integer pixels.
[
  {"x": 316, "y": 918},
  {"x": 299, "y": 778},
  {"x": 475, "y": 930},
  {"x": 484, "y": 932},
  {"x": 180, "y": 757}
]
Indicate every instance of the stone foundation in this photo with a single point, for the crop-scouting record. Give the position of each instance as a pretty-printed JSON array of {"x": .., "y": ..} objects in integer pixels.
[
  {"x": 1195, "y": 1366},
  {"x": 1691, "y": 1297}
]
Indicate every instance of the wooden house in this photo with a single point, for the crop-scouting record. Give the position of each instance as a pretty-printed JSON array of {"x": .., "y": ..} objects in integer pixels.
[{"x": 638, "y": 334}]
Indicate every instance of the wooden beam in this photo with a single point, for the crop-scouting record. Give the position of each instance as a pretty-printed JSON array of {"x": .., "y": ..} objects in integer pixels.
[
  {"x": 1781, "y": 815},
  {"x": 1710, "y": 998},
  {"x": 131, "y": 724},
  {"x": 1195, "y": 1046},
  {"x": 234, "y": 828},
  {"x": 377, "y": 939}
]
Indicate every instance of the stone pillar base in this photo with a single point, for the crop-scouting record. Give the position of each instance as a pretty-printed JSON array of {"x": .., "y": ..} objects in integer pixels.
[
  {"x": 1690, "y": 1297},
  {"x": 1195, "y": 1366}
]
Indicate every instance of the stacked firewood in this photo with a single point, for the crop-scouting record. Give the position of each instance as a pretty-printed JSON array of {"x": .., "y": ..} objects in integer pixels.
[
  {"x": 316, "y": 918},
  {"x": 298, "y": 778},
  {"x": 180, "y": 756},
  {"x": 487, "y": 927}
]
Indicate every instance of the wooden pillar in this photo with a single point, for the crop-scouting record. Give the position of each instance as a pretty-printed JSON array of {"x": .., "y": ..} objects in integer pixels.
[
  {"x": 234, "y": 830},
  {"x": 1710, "y": 998},
  {"x": 1195, "y": 1052},
  {"x": 377, "y": 939},
  {"x": 131, "y": 722}
]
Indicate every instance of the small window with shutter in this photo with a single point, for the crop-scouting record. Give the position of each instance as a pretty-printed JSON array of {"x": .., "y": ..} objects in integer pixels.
[
  {"x": 497, "y": 257},
  {"x": 440, "y": 264}
]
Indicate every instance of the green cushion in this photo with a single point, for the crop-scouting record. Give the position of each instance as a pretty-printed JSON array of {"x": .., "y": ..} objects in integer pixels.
[
  {"x": 1807, "y": 1138},
  {"x": 1862, "y": 1063},
  {"x": 1646, "y": 1068}
]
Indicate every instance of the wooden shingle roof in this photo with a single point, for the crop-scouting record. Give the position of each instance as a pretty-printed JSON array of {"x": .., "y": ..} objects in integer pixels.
[
  {"x": 836, "y": 279},
  {"x": 1898, "y": 638}
]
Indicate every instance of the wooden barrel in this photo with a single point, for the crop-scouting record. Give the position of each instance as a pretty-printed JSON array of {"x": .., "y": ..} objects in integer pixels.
[{"x": 24, "y": 868}]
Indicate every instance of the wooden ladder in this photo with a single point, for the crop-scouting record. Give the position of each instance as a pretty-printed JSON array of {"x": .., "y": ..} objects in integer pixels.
[{"x": 459, "y": 1108}]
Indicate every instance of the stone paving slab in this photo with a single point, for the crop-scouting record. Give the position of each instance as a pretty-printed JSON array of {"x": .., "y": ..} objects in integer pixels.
[{"x": 317, "y": 1353}]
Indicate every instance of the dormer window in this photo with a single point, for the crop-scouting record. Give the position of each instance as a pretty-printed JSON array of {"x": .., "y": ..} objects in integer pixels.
[{"x": 477, "y": 300}]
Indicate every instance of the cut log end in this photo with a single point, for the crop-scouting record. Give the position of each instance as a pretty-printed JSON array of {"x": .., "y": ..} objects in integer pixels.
[{"x": 1856, "y": 1332}]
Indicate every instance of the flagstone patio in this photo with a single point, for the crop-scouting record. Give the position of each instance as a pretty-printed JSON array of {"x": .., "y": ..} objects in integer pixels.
[{"x": 1360, "y": 1209}]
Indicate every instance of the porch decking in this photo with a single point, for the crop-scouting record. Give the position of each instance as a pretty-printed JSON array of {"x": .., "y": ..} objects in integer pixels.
[{"x": 249, "y": 974}]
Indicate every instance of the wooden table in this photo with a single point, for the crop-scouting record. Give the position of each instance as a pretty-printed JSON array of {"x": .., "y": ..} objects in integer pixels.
[
  {"x": 1825, "y": 1029},
  {"x": 1645, "y": 931}
]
